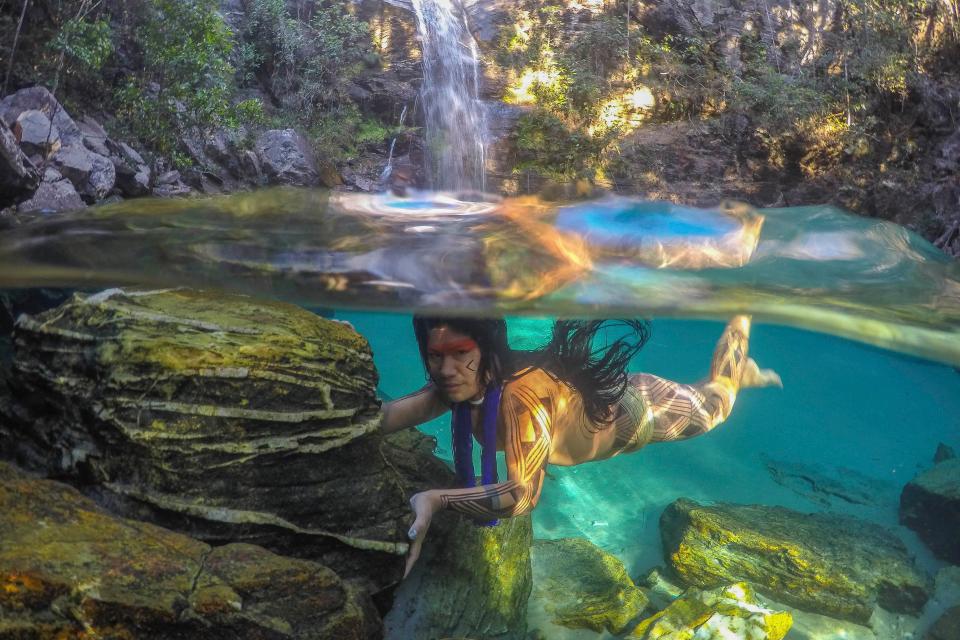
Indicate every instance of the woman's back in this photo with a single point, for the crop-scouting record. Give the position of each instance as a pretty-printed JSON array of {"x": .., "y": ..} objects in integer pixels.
[{"x": 534, "y": 403}]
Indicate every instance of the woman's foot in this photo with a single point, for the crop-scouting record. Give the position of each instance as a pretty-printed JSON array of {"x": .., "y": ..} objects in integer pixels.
[{"x": 754, "y": 376}]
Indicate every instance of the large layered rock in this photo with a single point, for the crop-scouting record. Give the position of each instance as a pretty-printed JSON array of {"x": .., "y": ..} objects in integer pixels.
[
  {"x": 471, "y": 581},
  {"x": 580, "y": 586},
  {"x": 930, "y": 505},
  {"x": 221, "y": 416},
  {"x": 825, "y": 563},
  {"x": 67, "y": 568},
  {"x": 725, "y": 612}
]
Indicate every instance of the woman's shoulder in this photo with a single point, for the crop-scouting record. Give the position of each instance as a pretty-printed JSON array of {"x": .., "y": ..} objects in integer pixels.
[{"x": 531, "y": 378}]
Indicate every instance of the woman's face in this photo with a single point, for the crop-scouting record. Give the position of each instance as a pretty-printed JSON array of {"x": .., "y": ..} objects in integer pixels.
[{"x": 453, "y": 360}]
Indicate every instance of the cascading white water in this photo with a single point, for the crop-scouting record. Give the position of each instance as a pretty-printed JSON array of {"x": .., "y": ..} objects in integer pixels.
[
  {"x": 387, "y": 170},
  {"x": 454, "y": 116}
]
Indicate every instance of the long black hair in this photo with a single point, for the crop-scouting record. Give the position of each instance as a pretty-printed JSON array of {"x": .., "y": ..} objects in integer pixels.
[{"x": 599, "y": 375}]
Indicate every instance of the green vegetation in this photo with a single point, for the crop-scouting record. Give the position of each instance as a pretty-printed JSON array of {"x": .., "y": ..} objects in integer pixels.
[
  {"x": 175, "y": 68},
  {"x": 304, "y": 64},
  {"x": 186, "y": 80},
  {"x": 815, "y": 97}
]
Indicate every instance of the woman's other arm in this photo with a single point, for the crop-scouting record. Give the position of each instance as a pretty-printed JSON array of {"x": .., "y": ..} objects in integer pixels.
[{"x": 410, "y": 410}]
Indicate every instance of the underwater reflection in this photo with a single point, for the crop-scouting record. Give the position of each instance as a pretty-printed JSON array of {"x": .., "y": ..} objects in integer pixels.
[{"x": 812, "y": 267}]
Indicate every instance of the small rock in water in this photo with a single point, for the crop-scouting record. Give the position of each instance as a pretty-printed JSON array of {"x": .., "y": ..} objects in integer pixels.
[{"x": 944, "y": 452}]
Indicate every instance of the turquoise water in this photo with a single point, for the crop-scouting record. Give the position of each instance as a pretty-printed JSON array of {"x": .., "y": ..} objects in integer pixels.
[
  {"x": 862, "y": 415},
  {"x": 843, "y": 405}
]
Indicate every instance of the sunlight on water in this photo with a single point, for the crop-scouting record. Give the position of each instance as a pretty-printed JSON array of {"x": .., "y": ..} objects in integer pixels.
[{"x": 811, "y": 267}]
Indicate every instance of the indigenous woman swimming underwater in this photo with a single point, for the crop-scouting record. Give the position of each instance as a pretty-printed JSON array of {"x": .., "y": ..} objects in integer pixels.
[{"x": 564, "y": 404}]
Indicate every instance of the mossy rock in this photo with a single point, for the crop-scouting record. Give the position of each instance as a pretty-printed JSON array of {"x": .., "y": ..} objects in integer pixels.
[
  {"x": 725, "y": 612},
  {"x": 824, "y": 563},
  {"x": 229, "y": 418},
  {"x": 471, "y": 581},
  {"x": 583, "y": 587},
  {"x": 69, "y": 569}
]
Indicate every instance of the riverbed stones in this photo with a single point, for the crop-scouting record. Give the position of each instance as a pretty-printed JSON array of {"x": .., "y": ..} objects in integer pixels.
[
  {"x": 55, "y": 193},
  {"x": 67, "y": 566},
  {"x": 92, "y": 174},
  {"x": 825, "y": 563},
  {"x": 731, "y": 611},
  {"x": 947, "y": 626},
  {"x": 930, "y": 505},
  {"x": 580, "y": 586}
]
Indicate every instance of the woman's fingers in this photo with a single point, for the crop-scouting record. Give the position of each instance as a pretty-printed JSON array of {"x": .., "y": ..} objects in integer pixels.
[
  {"x": 418, "y": 530},
  {"x": 412, "y": 556}
]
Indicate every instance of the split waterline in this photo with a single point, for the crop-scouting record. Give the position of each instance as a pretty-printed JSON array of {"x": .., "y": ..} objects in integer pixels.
[{"x": 810, "y": 267}]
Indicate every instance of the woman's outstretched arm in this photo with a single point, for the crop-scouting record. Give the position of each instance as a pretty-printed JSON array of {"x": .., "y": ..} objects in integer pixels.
[
  {"x": 526, "y": 427},
  {"x": 413, "y": 409}
]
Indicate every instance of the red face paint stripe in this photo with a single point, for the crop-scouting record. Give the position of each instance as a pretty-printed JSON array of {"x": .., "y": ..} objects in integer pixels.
[{"x": 452, "y": 348}]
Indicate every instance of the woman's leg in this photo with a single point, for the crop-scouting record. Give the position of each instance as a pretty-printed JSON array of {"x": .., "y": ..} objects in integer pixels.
[{"x": 674, "y": 411}]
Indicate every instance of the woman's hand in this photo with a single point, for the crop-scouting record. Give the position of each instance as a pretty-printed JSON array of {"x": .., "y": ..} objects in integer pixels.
[{"x": 424, "y": 505}]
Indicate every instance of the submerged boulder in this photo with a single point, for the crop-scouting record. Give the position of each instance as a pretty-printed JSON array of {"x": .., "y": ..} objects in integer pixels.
[
  {"x": 725, "y": 612},
  {"x": 930, "y": 505},
  {"x": 580, "y": 586},
  {"x": 67, "y": 567},
  {"x": 825, "y": 563},
  {"x": 471, "y": 581},
  {"x": 222, "y": 416}
]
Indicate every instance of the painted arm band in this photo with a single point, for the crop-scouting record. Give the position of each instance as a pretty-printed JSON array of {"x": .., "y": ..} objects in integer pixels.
[{"x": 526, "y": 427}]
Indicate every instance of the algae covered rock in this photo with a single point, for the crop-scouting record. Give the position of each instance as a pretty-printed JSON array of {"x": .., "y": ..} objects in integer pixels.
[
  {"x": 68, "y": 568},
  {"x": 930, "y": 505},
  {"x": 470, "y": 581},
  {"x": 825, "y": 563},
  {"x": 725, "y": 612},
  {"x": 228, "y": 418},
  {"x": 581, "y": 586}
]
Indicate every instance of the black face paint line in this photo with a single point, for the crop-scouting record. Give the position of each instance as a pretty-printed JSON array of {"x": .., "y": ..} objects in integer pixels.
[{"x": 470, "y": 366}]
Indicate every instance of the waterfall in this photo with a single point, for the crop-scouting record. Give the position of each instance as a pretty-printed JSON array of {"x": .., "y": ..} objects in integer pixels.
[
  {"x": 454, "y": 116},
  {"x": 387, "y": 170}
]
